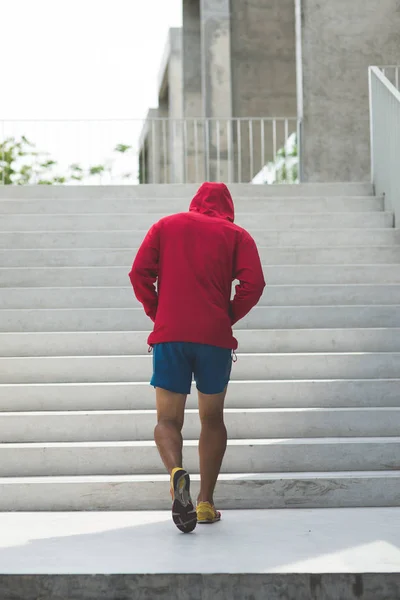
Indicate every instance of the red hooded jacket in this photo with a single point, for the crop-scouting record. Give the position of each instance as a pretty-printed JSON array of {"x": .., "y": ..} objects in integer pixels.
[{"x": 194, "y": 257}]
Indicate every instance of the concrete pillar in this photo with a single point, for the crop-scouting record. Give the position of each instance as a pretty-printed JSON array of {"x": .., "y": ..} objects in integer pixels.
[
  {"x": 263, "y": 58},
  {"x": 263, "y": 41},
  {"x": 217, "y": 86},
  {"x": 337, "y": 41},
  {"x": 150, "y": 149},
  {"x": 191, "y": 56},
  {"x": 192, "y": 93},
  {"x": 163, "y": 141},
  {"x": 175, "y": 107}
]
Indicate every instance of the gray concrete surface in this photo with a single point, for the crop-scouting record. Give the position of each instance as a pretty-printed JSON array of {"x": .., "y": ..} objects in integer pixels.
[
  {"x": 132, "y": 239},
  {"x": 174, "y": 205},
  {"x": 274, "y": 295},
  {"x": 317, "y": 544},
  {"x": 111, "y": 257},
  {"x": 287, "y": 455},
  {"x": 117, "y": 343},
  {"x": 143, "y": 221},
  {"x": 234, "y": 491},
  {"x": 175, "y": 106},
  {"x": 95, "y": 369},
  {"x": 263, "y": 394},
  {"x": 192, "y": 90},
  {"x": 262, "y": 317},
  {"x": 263, "y": 58},
  {"x": 340, "y": 39},
  {"x": 252, "y": 423},
  {"x": 217, "y": 84},
  {"x": 375, "y": 586},
  {"x": 187, "y": 191},
  {"x": 192, "y": 65},
  {"x": 275, "y": 274},
  {"x": 216, "y": 57}
]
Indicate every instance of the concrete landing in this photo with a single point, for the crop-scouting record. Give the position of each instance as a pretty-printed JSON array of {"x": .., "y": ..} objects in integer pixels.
[{"x": 300, "y": 554}]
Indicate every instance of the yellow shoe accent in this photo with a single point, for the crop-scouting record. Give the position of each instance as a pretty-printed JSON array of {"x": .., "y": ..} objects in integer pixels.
[
  {"x": 206, "y": 513},
  {"x": 172, "y": 479},
  {"x": 175, "y": 470}
]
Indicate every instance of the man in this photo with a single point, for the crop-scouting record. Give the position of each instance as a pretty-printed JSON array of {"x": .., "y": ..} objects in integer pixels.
[{"x": 194, "y": 257}]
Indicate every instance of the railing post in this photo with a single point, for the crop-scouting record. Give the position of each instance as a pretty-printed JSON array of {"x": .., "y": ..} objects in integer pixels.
[{"x": 371, "y": 126}]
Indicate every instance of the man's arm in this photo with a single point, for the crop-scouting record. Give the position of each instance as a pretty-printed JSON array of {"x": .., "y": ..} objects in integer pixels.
[
  {"x": 144, "y": 272},
  {"x": 248, "y": 271}
]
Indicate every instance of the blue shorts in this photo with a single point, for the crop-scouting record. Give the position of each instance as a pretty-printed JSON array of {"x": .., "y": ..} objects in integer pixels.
[{"x": 175, "y": 365}]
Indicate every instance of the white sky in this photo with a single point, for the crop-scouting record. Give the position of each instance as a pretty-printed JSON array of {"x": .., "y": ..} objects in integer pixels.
[{"x": 82, "y": 58}]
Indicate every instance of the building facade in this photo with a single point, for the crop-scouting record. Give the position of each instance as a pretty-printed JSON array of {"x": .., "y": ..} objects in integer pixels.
[
  {"x": 232, "y": 63},
  {"x": 237, "y": 63}
]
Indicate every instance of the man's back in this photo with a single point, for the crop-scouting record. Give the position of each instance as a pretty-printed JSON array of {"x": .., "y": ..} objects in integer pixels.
[{"x": 195, "y": 256}]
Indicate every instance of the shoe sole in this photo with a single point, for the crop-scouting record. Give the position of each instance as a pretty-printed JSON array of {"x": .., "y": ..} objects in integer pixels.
[{"x": 183, "y": 511}]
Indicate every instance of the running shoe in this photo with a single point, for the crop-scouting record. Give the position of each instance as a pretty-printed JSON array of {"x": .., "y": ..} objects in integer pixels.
[
  {"x": 183, "y": 511},
  {"x": 206, "y": 513}
]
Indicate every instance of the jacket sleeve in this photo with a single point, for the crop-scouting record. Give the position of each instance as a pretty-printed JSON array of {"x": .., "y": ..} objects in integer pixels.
[
  {"x": 248, "y": 270},
  {"x": 144, "y": 272}
]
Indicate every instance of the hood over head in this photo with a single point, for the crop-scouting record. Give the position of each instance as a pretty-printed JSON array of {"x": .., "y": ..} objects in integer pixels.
[{"x": 215, "y": 200}]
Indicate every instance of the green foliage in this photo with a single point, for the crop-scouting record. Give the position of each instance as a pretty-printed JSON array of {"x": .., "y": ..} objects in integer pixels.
[
  {"x": 285, "y": 165},
  {"x": 75, "y": 168},
  {"x": 122, "y": 148},
  {"x": 21, "y": 164},
  {"x": 97, "y": 170}
]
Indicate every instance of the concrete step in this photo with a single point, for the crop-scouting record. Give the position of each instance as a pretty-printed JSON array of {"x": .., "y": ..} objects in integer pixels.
[
  {"x": 242, "y": 456},
  {"x": 117, "y": 343},
  {"x": 187, "y": 191},
  {"x": 123, "y": 297},
  {"x": 236, "y": 490},
  {"x": 171, "y": 206},
  {"x": 132, "y": 239},
  {"x": 274, "y": 274},
  {"x": 252, "y": 394},
  {"x": 262, "y": 317},
  {"x": 259, "y": 423},
  {"x": 110, "y": 257},
  {"x": 107, "y": 221},
  {"x": 97, "y": 369}
]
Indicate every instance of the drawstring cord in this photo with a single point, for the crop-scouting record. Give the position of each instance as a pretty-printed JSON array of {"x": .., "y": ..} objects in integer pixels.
[{"x": 150, "y": 349}]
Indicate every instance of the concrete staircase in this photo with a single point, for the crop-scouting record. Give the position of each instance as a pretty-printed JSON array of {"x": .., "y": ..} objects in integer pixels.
[{"x": 313, "y": 411}]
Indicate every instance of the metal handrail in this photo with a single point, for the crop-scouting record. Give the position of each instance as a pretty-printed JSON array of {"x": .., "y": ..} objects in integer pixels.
[
  {"x": 385, "y": 138},
  {"x": 392, "y": 72},
  {"x": 152, "y": 150}
]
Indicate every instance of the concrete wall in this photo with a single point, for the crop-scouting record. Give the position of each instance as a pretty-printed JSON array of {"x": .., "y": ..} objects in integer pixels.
[
  {"x": 197, "y": 586},
  {"x": 192, "y": 90},
  {"x": 175, "y": 106},
  {"x": 191, "y": 53},
  {"x": 263, "y": 58},
  {"x": 263, "y": 73},
  {"x": 216, "y": 57},
  {"x": 340, "y": 39},
  {"x": 149, "y": 159},
  {"x": 215, "y": 19}
]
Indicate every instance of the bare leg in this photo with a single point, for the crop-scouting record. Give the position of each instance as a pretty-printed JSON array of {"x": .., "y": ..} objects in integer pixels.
[
  {"x": 167, "y": 434},
  {"x": 212, "y": 443}
]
